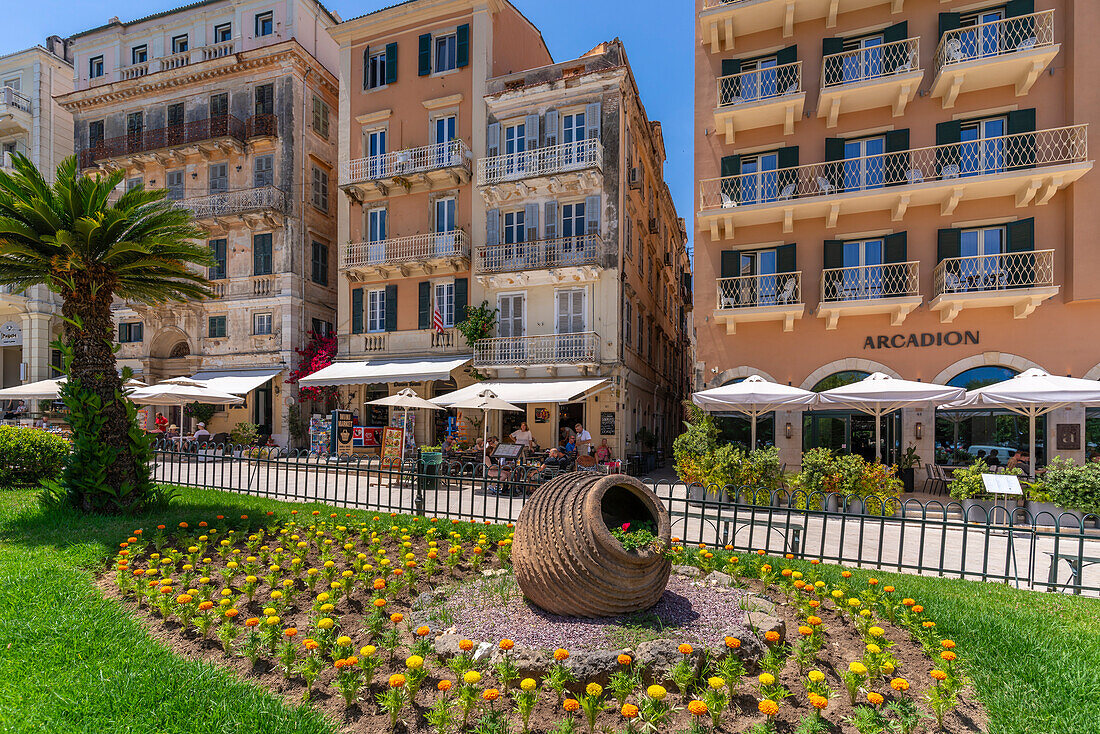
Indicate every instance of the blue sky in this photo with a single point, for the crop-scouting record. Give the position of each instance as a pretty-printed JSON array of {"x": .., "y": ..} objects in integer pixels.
[{"x": 658, "y": 35}]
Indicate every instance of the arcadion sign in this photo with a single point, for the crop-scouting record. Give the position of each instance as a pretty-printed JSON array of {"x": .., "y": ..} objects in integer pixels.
[{"x": 922, "y": 340}]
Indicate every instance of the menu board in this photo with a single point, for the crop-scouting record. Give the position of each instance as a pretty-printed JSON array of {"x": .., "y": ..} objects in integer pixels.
[
  {"x": 391, "y": 444},
  {"x": 607, "y": 423},
  {"x": 342, "y": 434}
]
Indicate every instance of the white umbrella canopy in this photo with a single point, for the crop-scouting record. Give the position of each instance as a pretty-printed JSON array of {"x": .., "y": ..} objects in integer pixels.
[
  {"x": 407, "y": 399},
  {"x": 1032, "y": 393},
  {"x": 485, "y": 401},
  {"x": 754, "y": 396},
  {"x": 879, "y": 394},
  {"x": 182, "y": 390},
  {"x": 41, "y": 390}
]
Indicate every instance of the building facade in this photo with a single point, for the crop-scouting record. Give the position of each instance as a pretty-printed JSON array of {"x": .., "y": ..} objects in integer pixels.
[
  {"x": 231, "y": 107},
  {"x": 34, "y": 125},
  {"x": 901, "y": 187}
]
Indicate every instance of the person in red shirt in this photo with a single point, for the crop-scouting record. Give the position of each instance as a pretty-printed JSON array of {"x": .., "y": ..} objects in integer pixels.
[{"x": 161, "y": 423}]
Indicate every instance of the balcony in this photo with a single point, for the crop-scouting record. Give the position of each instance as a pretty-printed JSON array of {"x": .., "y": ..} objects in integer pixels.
[
  {"x": 722, "y": 21},
  {"x": 582, "y": 348},
  {"x": 869, "y": 78},
  {"x": 437, "y": 253},
  {"x": 1012, "y": 51},
  {"x": 555, "y": 169},
  {"x": 210, "y": 135},
  {"x": 888, "y": 288},
  {"x": 15, "y": 113},
  {"x": 1032, "y": 167},
  {"x": 412, "y": 170},
  {"x": 251, "y": 206},
  {"x": 545, "y": 262},
  {"x": 753, "y": 298},
  {"x": 1021, "y": 280},
  {"x": 760, "y": 98},
  {"x": 175, "y": 61},
  {"x": 403, "y": 343}
]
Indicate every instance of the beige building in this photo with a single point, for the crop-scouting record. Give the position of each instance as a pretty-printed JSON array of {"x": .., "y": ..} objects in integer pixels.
[
  {"x": 901, "y": 187},
  {"x": 34, "y": 125},
  {"x": 230, "y": 106}
]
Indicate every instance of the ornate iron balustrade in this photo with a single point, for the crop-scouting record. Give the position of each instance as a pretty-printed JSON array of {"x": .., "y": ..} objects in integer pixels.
[
  {"x": 760, "y": 84},
  {"x": 546, "y": 161},
  {"x": 998, "y": 272},
  {"x": 560, "y": 252},
  {"x": 869, "y": 282},
  {"x": 754, "y": 291},
  {"x": 188, "y": 133},
  {"x": 409, "y": 161},
  {"x": 520, "y": 351},
  {"x": 875, "y": 62},
  {"x": 236, "y": 202},
  {"x": 405, "y": 249},
  {"x": 996, "y": 38}
]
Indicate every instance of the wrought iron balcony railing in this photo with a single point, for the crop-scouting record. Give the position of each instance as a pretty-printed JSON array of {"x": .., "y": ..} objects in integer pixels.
[
  {"x": 755, "y": 291},
  {"x": 870, "y": 282},
  {"x": 453, "y": 244},
  {"x": 523, "y": 351},
  {"x": 407, "y": 162},
  {"x": 562, "y": 158},
  {"x": 561, "y": 252},
  {"x": 235, "y": 202},
  {"x": 875, "y": 62},
  {"x": 954, "y": 161},
  {"x": 997, "y": 272},
  {"x": 760, "y": 84},
  {"x": 996, "y": 38},
  {"x": 188, "y": 133}
]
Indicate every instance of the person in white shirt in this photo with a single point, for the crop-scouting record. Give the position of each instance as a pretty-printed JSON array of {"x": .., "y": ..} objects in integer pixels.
[
  {"x": 201, "y": 434},
  {"x": 584, "y": 441},
  {"x": 523, "y": 436}
]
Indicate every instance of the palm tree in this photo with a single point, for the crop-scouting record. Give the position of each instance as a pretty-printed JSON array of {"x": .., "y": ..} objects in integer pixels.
[{"x": 90, "y": 251}]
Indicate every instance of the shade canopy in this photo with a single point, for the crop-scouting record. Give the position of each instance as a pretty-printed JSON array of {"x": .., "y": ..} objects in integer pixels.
[
  {"x": 485, "y": 400},
  {"x": 235, "y": 382},
  {"x": 393, "y": 370},
  {"x": 407, "y": 399},
  {"x": 541, "y": 391},
  {"x": 754, "y": 396},
  {"x": 41, "y": 390},
  {"x": 181, "y": 390}
]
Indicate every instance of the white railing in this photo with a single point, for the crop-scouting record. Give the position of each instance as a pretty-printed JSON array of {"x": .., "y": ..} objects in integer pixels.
[
  {"x": 754, "y": 291},
  {"x": 869, "y": 282},
  {"x": 997, "y": 38},
  {"x": 263, "y": 285},
  {"x": 235, "y": 202},
  {"x": 561, "y": 252},
  {"x": 909, "y": 167},
  {"x": 864, "y": 64},
  {"x": 579, "y": 348},
  {"x": 547, "y": 161},
  {"x": 1004, "y": 271},
  {"x": 175, "y": 61},
  {"x": 134, "y": 71},
  {"x": 218, "y": 289},
  {"x": 217, "y": 50},
  {"x": 10, "y": 97},
  {"x": 405, "y": 249},
  {"x": 752, "y": 86},
  {"x": 406, "y": 162}
]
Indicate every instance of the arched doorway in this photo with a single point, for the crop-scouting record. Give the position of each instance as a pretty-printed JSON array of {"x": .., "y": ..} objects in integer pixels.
[
  {"x": 965, "y": 435},
  {"x": 849, "y": 432}
]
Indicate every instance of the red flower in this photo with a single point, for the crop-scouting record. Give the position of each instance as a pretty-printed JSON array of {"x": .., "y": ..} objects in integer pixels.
[{"x": 626, "y": 526}]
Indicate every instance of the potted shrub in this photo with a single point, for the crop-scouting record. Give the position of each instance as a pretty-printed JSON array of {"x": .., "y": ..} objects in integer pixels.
[
  {"x": 907, "y": 468},
  {"x": 243, "y": 436},
  {"x": 1065, "y": 494},
  {"x": 856, "y": 486}
]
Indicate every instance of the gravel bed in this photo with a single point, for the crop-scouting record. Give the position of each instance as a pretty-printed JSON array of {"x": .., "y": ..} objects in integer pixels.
[{"x": 688, "y": 611}]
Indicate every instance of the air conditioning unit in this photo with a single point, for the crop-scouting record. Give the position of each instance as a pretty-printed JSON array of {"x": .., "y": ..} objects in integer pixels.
[{"x": 635, "y": 178}]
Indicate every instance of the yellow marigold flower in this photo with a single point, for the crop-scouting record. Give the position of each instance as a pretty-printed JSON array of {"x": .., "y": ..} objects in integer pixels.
[
  {"x": 876, "y": 631},
  {"x": 471, "y": 677},
  {"x": 874, "y": 649},
  {"x": 697, "y": 708},
  {"x": 837, "y": 593},
  {"x": 561, "y": 654},
  {"x": 854, "y": 603},
  {"x": 594, "y": 689},
  {"x": 768, "y": 707},
  {"x": 766, "y": 679},
  {"x": 343, "y": 640},
  {"x": 528, "y": 684},
  {"x": 571, "y": 705},
  {"x": 805, "y": 631},
  {"x": 325, "y": 624},
  {"x": 887, "y": 668},
  {"x": 397, "y": 680},
  {"x": 815, "y": 676},
  {"x": 629, "y": 711},
  {"x": 865, "y": 613},
  {"x": 899, "y": 684},
  {"x": 325, "y": 608},
  {"x": 656, "y": 692},
  {"x": 716, "y": 683},
  {"x": 875, "y": 699},
  {"x": 367, "y": 650},
  {"x": 272, "y": 621},
  {"x": 858, "y": 668},
  {"x": 414, "y": 662},
  {"x": 323, "y": 597}
]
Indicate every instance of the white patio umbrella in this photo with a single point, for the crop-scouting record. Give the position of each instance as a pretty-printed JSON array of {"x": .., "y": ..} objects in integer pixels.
[
  {"x": 1033, "y": 393},
  {"x": 41, "y": 390},
  {"x": 879, "y": 394},
  {"x": 407, "y": 399},
  {"x": 754, "y": 397},
  {"x": 485, "y": 401},
  {"x": 180, "y": 391}
]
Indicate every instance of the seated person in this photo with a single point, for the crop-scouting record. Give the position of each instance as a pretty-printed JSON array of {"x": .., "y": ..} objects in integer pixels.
[
  {"x": 172, "y": 432},
  {"x": 555, "y": 461},
  {"x": 479, "y": 445},
  {"x": 603, "y": 452},
  {"x": 19, "y": 409},
  {"x": 993, "y": 459},
  {"x": 201, "y": 434}
]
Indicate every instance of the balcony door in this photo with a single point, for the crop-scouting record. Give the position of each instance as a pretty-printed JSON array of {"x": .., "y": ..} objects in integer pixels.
[
  {"x": 515, "y": 145},
  {"x": 759, "y": 78},
  {"x": 572, "y": 231},
  {"x": 135, "y": 129},
  {"x": 980, "y": 33},
  {"x": 759, "y": 178},
  {"x": 757, "y": 286},
  {"x": 573, "y": 132},
  {"x": 983, "y": 264},
  {"x": 512, "y": 256},
  {"x": 444, "y": 130},
  {"x": 862, "y": 276},
  {"x": 570, "y": 325},
  {"x": 376, "y": 151},
  {"x": 862, "y": 59},
  {"x": 445, "y": 226},
  {"x": 174, "y": 116},
  {"x": 863, "y": 163},
  {"x": 175, "y": 184},
  {"x": 983, "y": 146},
  {"x": 510, "y": 327},
  {"x": 376, "y": 236}
]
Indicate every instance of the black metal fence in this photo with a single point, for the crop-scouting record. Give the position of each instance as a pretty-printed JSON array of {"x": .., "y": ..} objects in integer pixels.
[{"x": 1002, "y": 542}]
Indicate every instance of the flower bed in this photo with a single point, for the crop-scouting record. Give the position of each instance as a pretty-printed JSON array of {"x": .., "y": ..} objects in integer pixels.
[{"x": 345, "y": 613}]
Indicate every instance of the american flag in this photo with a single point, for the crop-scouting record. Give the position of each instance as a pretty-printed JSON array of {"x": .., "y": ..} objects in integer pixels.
[{"x": 437, "y": 319}]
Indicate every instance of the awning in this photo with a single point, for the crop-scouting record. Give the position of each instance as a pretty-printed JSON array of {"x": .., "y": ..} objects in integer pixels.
[
  {"x": 41, "y": 390},
  {"x": 393, "y": 370},
  {"x": 235, "y": 382},
  {"x": 524, "y": 391}
]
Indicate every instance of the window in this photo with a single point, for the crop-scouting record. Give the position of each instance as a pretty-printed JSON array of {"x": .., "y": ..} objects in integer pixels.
[
  {"x": 445, "y": 302},
  {"x": 982, "y": 34},
  {"x": 320, "y": 117},
  {"x": 174, "y": 184},
  {"x": 570, "y": 311},
  {"x": 376, "y": 150},
  {"x": 376, "y": 310},
  {"x": 629, "y": 239},
  {"x": 130, "y": 332},
  {"x": 983, "y": 146},
  {"x": 862, "y": 276},
  {"x": 572, "y": 224},
  {"x": 510, "y": 321},
  {"x": 219, "y": 105},
  {"x": 15, "y": 83},
  {"x": 641, "y": 331},
  {"x": 443, "y": 132},
  {"x": 95, "y": 134},
  {"x": 321, "y": 327},
  {"x": 375, "y": 75},
  {"x": 219, "y": 253},
  {"x": 514, "y": 227},
  {"x": 573, "y": 137},
  {"x": 446, "y": 52},
  {"x": 219, "y": 177},
  {"x": 133, "y": 183},
  {"x": 320, "y": 263},
  {"x": 223, "y": 32},
  {"x": 139, "y": 54},
  {"x": 261, "y": 324},
  {"x": 375, "y": 226},
  {"x": 261, "y": 254},
  {"x": 758, "y": 78},
  {"x": 265, "y": 23},
  {"x": 265, "y": 99},
  {"x": 515, "y": 143},
  {"x": 263, "y": 173},
  {"x": 863, "y": 163},
  {"x": 95, "y": 67},
  {"x": 627, "y": 318},
  {"x": 179, "y": 44},
  {"x": 865, "y": 61},
  {"x": 320, "y": 189},
  {"x": 173, "y": 115},
  {"x": 759, "y": 178},
  {"x": 215, "y": 327}
]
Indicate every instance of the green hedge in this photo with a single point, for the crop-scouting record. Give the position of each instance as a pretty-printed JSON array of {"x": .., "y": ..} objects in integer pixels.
[{"x": 30, "y": 454}]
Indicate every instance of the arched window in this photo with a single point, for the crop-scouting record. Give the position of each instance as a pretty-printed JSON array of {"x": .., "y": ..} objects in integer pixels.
[
  {"x": 977, "y": 377},
  {"x": 839, "y": 379},
  {"x": 992, "y": 434}
]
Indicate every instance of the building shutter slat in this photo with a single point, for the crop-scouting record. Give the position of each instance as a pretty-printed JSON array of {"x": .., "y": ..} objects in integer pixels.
[
  {"x": 897, "y": 158},
  {"x": 550, "y": 221},
  {"x": 949, "y": 22},
  {"x": 592, "y": 207},
  {"x": 424, "y": 57},
  {"x": 730, "y": 260},
  {"x": 550, "y": 128},
  {"x": 787, "y": 55},
  {"x": 531, "y": 221},
  {"x": 492, "y": 227},
  {"x": 357, "y": 311},
  {"x": 391, "y": 63},
  {"x": 786, "y": 258},
  {"x": 462, "y": 298},
  {"x": 592, "y": 118},
  {"x": 948, "y": 244},
  {"x": 391, "y": 307},
  {"x": 948, "y": 134},
  {"x": 832, "y": 257},
  {"x": 424, "y": 305},
  {"x": 896, "y": 246},
  {"x": 899, "y": 54},
  {"x": 1020, "y": 150},
  {"x": 1021, "y": 236},
  {"x": 531, "y": 132},
  {"x": 462, "y": 46},
  {"x": 492, "y": 139}
]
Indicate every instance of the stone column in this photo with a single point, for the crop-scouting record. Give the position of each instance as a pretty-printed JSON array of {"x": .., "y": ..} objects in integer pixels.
[{"x": 36, "y": 346}]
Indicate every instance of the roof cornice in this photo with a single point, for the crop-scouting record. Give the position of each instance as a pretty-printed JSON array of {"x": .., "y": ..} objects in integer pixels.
[{"x": 405, "y": 15}]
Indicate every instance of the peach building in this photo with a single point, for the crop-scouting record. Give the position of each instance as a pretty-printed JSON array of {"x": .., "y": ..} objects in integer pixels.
[
  {"x": 230, "y": 106},
  {"x": 897, "y": 186}
]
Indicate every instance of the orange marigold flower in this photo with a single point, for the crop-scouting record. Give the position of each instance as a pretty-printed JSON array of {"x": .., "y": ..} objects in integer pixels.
[
  {"x": 340, "y": 663},
  {"x": 768, "y": 707},
  {"x": 888, "y": 589},
  {"x": 872, "y": 582},
  {"x": 875, "y": 699},
  {"x": 818, "y": 702},
  {"x": 379, "y": 584},
  {"x": 685, "y": 649},
  {"x": 899, "y": 684},
  {"x": 183, "y": 525},
  {"x": 629, "y": 711},
  {"x": 733, "y": 643},
  {"x": 571, "y": 704},
  {"x": 465, "y": 645},
  {"x": 771, "y": 636},
  {"x": 561, "y": 654},
  {"x": 397, "y": 680},
  {"x": 203, "y": 606},
  {"x": 948, "y": 655},
  {"x": 310, "y": 644},
  {"x": 251, "y": 622},
  {"x": 928, "y": 624},
  {"x": 290, "y": 631},
  {"x": 846, "y": 574},
  {"x": 908, "y": 602},
  {"x": 805, "y": 631},
  {"x": 444, "y": 685},
  {"x": 813, "y": 621},
  {"x": 396, "y": 617},
  {"x": 789, "y": 556},
  {"x": 506, "y": 644},
  {"x": 423, "y": 630},
  {"x": 948, "y": 644},
  {"x": 917, "y": 609},
  {"x": 379, "y": 603},
  {"x": 785, "y": 572},
  {"x": 814, "y": 562},
  {"x": 938, "y": 674},
  {"x": 490, "y": 694},
  {"x": 624, "y": 659},
  {"x": 697, "y": 708},
  {"x": 184, "y": 598}
]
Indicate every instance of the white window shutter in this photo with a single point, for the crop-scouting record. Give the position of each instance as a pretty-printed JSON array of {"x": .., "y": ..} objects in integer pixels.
[
  {"x": 550, "y": 221},
  {"x": 531, "y": 132},
  {"x": 592, "y": 120},
  {"x": 531, "y": 221},
  {"x": 492, "y": 227},
  {"x": 492, "y": 133},
  {"x": 550, "y": 128}
]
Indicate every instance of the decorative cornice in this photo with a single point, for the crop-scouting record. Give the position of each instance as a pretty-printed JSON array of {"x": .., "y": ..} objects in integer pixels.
[
  {"x": 372, "y": 117},
  {"x": 451, "y": 100}
]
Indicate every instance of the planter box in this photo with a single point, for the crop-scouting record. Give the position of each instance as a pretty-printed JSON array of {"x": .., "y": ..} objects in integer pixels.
[
  {"x": 835, "y": 502},
  {"x": 1048, "y": 513},
  {"x": 995, "y": 511}
]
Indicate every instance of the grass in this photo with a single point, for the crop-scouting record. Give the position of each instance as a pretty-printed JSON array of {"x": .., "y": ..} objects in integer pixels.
[{"x": 72, "y": 661}]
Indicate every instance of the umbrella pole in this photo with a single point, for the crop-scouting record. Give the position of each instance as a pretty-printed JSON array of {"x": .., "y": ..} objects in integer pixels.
[
  {"x": 1033, "y": 460},
  {"x": 753, "y": 446},
  {"x": 878, "y": 436},
  {"x": 404, "y": 426},
  {"x": 484, "y": 436}
]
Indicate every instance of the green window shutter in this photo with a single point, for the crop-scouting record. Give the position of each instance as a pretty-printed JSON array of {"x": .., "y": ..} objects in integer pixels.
[
  {"x": 897, "y": 55},
  {"x": 896, "y": 161},
  {"x": 462, "y": 47},
  {"x": 424, "y": 57},
  {"x": 948, "y": 244},
  {"x": 949, "y": 22},
  {"x": 424, "y": 305},
  {"x": 833, "y": 72},
  {"x": 356, "y": 310},
  {"x": 1021, "y": 236},
  {"x": 786, "y": 260},
  {"x": 787, "y": 157},
  {"x": 1016, "y": 8},
  {"x": 896, "y": 247},
  {"x": 831, "y": 46},
  {"x": 391, "y": 63},
  {"x": 731, "y": 67},
  {"x": 832, "y": 254},
  {"x": 1021, "y": 121},
  {"x": 1021, "y": 239},
  {"x": 730, "y": 259},
  {"x": 948, "y": 133},
  {"x": 462, "y": 298},
  {"x": 366, "y": 66},
  {"x": 834, "y": 152},
  {"x": 1020, "y": 151},
  {"x": 730, "y": 88},
  {"x": 786, "y": 160},
  {"x": 896, "y": 32},
  {"x": 787, "y": 55},
  {"x": 391, "y": 307},
  {"x": 731, "y": 166}
]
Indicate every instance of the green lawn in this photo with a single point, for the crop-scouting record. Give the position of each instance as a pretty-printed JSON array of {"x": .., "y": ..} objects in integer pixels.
[{"x": 71, "y": 661}]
